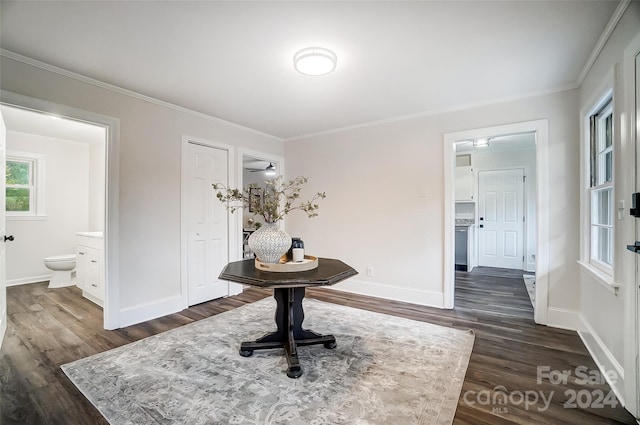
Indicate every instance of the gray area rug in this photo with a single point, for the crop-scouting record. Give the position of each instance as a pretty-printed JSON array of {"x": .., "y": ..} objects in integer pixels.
[
  {"x": 530, "y": 283},
  {"x": 385, "y": 370}
]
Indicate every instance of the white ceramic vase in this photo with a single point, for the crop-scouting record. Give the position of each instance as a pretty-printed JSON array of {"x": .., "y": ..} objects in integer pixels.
[{"x": 269, "y": 243}]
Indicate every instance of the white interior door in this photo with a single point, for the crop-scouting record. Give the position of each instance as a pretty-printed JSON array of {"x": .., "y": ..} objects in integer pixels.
[
  {"x": 501, "y": 218},
  {"x": 208, "y": 234},
  {"x": 3, "y": 269}
]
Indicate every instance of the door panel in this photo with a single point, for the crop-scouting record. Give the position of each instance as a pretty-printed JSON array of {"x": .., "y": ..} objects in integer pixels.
[
  {"x": 490, "y": 243},
  {"x": 510, "y": 207},
  {"x": 510, "y": 244},
  {"x": 501, "y": 212},
  {"x": 208, "y": 239},
  {"x": 491, "y": 208}
]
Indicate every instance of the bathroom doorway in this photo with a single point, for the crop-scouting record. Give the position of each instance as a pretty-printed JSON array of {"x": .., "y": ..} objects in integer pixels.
[{"x": 57, "y": 194}]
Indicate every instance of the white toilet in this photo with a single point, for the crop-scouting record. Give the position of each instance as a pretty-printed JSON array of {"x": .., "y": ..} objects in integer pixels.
[{"x": 61, "y": 266}]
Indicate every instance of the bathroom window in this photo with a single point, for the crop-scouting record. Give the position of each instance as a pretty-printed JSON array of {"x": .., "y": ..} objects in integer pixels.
[{"x": 24, "y": 185}]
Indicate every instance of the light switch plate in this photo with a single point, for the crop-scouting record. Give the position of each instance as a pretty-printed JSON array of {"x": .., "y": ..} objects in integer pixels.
[{"x": 621, "y": 209}]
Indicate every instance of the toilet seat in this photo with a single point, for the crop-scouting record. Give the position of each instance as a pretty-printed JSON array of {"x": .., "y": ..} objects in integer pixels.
[{"x": 57, "y": 258}]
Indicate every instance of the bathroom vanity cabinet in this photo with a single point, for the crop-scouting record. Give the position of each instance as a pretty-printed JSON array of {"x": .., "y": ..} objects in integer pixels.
[{"x": 90, "y": 265}]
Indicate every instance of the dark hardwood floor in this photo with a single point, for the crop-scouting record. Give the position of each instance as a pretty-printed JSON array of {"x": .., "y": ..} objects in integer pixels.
[{"x": 47, "y": 328}]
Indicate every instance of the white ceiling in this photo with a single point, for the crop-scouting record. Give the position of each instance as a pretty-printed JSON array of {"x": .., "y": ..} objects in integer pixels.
[
  {"x": 25, "y": 121},
  {"x": 233, "y": 60}
]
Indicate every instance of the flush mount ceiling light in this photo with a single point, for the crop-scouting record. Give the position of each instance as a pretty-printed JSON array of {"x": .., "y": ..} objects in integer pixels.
[
  {"x": 315, "y": 61},
  {"x": 481, "y": 143}
]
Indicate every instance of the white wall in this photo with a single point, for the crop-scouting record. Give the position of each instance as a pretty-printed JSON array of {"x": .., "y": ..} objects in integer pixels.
[
  {"x": 604, "y": 312},
  {"x": 149, "y": 179},
  {"x": 385, "y": 197},
  {"x": 526, "y": 159},
  {"x": 67, "y": 207}
]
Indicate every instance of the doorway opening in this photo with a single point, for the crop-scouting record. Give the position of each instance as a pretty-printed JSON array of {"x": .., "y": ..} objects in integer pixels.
[
  {"x": 57, "y": 206},
  {"x": 495, "y": 197},
  {"x": 496, "y": 192},
  {"x": 256, "y": 169}
]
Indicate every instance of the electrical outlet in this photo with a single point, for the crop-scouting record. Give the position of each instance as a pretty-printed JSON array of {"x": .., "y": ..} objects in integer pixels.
[{"x": 370, "y": 271}]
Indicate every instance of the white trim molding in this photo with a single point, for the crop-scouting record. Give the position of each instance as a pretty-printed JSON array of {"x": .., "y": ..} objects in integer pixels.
[
  {"x": 143, "y": 312},
  {"x": 541, "y": 130},
  {"x": 628, "y": 142},
  {"x": 604, "y": 359},
  {"x": 563, "y": 318},
  {"x": 606, "y": 33},
  {"x": 391, "y": 292},
  {"x": 79, "y": 77},
  {"x": 111, "y": 311},
  {"x": 603, "y": 95},
  {"x": 605, "y": 280},
  {"x": 28, "y": 280},
  {"x": 38, "y": 208}
]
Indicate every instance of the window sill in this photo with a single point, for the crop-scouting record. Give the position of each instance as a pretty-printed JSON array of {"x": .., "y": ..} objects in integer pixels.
[
  {"x": 602, "y": 278},
  {"x": 25, "y": 217}
]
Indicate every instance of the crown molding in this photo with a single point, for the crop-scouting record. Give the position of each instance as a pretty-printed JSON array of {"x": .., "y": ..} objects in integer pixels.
[
  {"x": 608, "y": 30},
  {"x": 79, "y": 77},
  {"x": 438, "y": 111}
]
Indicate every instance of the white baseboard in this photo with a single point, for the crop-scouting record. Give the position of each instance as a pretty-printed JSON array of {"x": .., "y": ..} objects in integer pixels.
[
  {"x": 92, "y": 298},
  {"x": 235, "y": 288},
  {"x": 381, "y": 290},
  {"x": 531, "y": 267},
  {"x": 603, "y": 358},
  {"x": 148, "y": 311},
  {"x": 564, "y": 319},
  {"x": 26, "y": 280}
]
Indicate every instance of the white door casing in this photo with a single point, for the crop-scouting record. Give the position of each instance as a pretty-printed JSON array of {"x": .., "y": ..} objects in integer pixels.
[
  {"x": 628, "y": 178},
  {"x": 541, "y": 130},
  {"x": 3, "y": 275},
  {"x": 501, "y": 215},
  {"x": 636, "y": 407},
  {"x": 207, "y": 223},
  {"x": 112, "y": 314}
]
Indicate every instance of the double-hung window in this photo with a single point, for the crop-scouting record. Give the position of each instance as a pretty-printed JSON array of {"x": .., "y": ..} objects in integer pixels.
[
  {"x": 601, "y": 188},
  {"x": 24, "y": 185}
]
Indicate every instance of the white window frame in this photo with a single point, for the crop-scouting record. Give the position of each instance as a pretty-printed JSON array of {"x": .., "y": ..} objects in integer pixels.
[
  {"x": 598, "y": 184},
  {"x": 602, "y": 272},
  {"x": 37, "y": 186}
]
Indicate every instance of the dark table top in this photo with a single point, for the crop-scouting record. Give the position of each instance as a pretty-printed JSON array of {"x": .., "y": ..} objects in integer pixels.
[{"x": 328, "y": 272}]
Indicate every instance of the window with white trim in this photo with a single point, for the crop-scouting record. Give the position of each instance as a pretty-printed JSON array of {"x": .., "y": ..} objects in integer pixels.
[
  {"x": 601, "y": 188},
  {"x": 24, "y": 178}
]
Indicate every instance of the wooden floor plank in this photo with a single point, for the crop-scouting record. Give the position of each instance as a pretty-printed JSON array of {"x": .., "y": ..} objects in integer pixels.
[{"x": 50, "y": 327}]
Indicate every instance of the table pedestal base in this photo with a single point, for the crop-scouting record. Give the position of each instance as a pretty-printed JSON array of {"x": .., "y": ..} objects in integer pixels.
[{"x": 290, "y": 335}]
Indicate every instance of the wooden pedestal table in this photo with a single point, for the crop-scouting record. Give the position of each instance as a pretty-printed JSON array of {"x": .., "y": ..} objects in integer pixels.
[{"x": 288, "y": 290}]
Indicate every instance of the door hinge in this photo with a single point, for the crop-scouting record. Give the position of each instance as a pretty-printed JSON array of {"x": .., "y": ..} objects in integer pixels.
[{"x": 524, "y": 179}]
